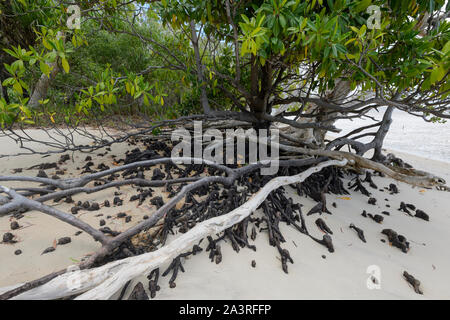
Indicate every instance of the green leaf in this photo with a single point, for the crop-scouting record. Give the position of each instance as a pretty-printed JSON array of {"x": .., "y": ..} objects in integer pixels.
[
  {"x": 437, "y": 74},
  {"x": 46, "y": 44},
  {"x": 18, "y": 88},
  {"x": 8, "y": 82},
  {"x": 362, "y": 5},
  {"x": 276, "y": 28},
  {"x": 45, "y": 69},
  {"x": 282, "y": 21},
  {"x": 363, "y": 30},
  {"x": 356, "y": 30},
  {"x": 11, "y": 53},
  {"x": 333, "y": 47},
  {"x": 65, "y": 65},
  {"x": 446, "y": 48}
]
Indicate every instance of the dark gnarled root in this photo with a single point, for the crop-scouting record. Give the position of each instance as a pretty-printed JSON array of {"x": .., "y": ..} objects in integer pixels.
[{"x": 413, "y": 281}]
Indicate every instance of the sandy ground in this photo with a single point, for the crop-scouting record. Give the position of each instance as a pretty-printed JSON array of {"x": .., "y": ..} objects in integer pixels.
[
  {"x": 39, "y": 231},
  {"x": 340, "y": 275},
  {"x": 343, "y": 274}
]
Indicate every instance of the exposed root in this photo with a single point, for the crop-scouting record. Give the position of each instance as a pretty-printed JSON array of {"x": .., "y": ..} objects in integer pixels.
[
  {"x": 102, "y": 282},
  {"x": 143, "y": 248}
]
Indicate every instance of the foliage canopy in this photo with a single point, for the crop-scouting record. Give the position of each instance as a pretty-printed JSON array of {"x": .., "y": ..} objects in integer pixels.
[{"x": 317, "y": 57}]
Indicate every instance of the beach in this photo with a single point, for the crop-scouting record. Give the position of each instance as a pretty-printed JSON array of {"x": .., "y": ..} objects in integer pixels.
[
  {"x": 315, "y": 274},
  {"x": 407, "y": 133},
  {"x": 342, "y": 274}
]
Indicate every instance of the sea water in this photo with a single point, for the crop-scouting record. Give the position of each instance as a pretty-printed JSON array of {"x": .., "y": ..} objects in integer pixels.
[{"x": 407, "y": 134}]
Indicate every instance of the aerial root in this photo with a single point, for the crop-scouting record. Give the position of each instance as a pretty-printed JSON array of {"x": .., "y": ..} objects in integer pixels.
[{"x": 103, "y": 282}]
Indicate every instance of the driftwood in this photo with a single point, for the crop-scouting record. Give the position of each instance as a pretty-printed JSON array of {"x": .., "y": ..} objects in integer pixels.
[
  {"x": 407, "y": 175},
  {"x": 410, "y": 176},
  {"x": 110, "y": 244},
  {"x": 104, "y": 281}
]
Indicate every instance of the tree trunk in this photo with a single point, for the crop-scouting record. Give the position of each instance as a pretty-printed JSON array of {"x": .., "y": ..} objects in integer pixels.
[
  {"x": 201, "y": 78},
  {"x": 3, "y": 94},
  {"x": 337, "y": 95},
  {"x": 381, "y": 134},
  {"x": 41, "y": 88},
  {"x": 260, "y": 76}
]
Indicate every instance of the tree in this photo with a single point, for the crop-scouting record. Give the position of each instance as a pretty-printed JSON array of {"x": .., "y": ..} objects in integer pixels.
[
  {"x": 304, "y": 64},
  {"x": 17, "y": 29},
  {"x": 316, "y": 61},
  {"x": 321, "y": 59}
]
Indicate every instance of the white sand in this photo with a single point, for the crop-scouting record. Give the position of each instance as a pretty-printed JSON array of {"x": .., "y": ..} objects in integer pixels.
[
  {"x": 342, "y": 275},
  {"x": 39, "y": 231},
  {"x": 407, "y": 133}
]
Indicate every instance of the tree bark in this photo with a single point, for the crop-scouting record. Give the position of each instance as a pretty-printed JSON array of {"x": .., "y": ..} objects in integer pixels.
[
  {"x": 2, "y": 95},
  {"x": 201, "y": 78},
  {"x": 338, "y": 94},
  {"x": 381, "y": 134},
  {"x": 41, "y": 88},
  {"x": 261, "y": 83}
]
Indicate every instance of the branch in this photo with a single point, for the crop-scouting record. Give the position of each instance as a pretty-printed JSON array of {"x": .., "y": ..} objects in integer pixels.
[
  {"x": 103, "y": 282},
  {"x": 113, "y": 243},
  {"x": 19, "y": 201}
]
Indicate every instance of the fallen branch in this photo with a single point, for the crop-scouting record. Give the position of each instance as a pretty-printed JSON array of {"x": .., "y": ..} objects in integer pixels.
[
  {"x": 19, "y": 202},
  {"x": 109, "y": 244},
  {"x": 65, "y": 184},
  {"x": 104, "y": 281},
  {"x": 410, "y": 176}
]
